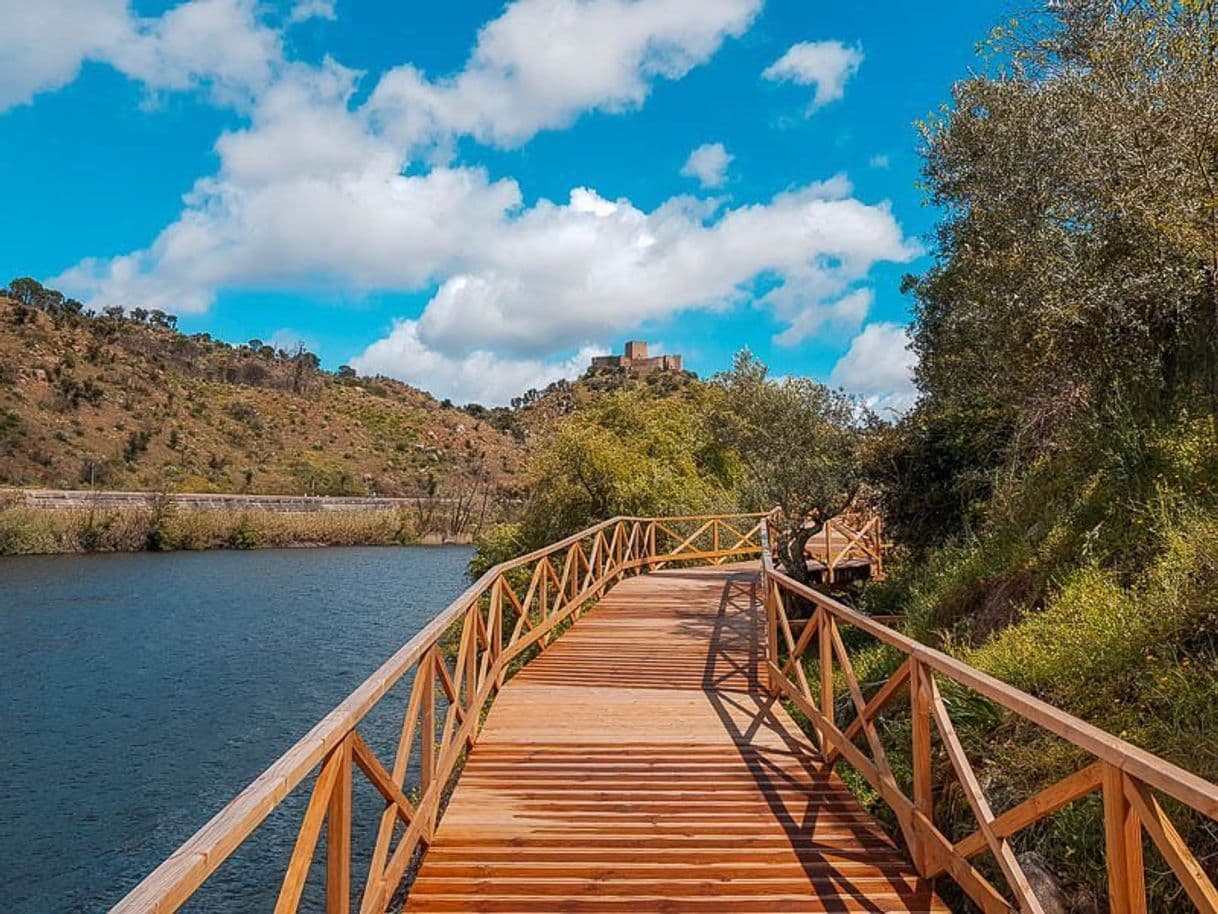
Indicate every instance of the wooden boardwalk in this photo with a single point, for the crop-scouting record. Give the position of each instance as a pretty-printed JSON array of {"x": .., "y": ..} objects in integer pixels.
[
  {"x": 637, "y": 765},
  {"x": 640, "y": 763}
]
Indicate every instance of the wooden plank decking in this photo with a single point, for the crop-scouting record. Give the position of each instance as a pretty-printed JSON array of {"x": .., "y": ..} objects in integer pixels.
[{"x": 638, "y": 766}]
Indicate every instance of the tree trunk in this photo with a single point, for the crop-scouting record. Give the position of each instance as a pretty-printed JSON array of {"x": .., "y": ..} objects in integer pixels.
[{"x": 794, "y": 556}]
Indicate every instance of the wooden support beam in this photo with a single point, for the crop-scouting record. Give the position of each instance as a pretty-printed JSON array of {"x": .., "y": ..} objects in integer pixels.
[
  {"x": 1004, "y": 856},
  {"x": 306, "y": 837},
  {"x": 1123, "y": 837},
  {"x": 338, "y": 837},
  {"x": 1171, "y": 845}
]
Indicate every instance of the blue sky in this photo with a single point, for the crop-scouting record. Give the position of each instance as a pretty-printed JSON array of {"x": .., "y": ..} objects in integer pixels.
[{"x": 475, "y": 196}]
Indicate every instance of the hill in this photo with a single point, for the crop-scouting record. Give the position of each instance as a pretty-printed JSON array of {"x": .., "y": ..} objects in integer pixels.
[{"x": 125, "y": 401}]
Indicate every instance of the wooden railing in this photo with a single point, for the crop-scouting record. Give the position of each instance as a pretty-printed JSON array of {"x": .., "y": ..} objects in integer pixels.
[
  {"x": 849, "y": 537},
  {"x": 1128, "y": 777},
  {"x": 454, "y": 667}
]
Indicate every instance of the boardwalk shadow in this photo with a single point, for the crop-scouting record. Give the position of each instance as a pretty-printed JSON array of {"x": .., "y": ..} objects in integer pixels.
[{"x": 735, "y": 654}]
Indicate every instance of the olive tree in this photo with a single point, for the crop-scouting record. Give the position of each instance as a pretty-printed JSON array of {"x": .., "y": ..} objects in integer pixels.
[
  {"x": 798, "y": 443},
  {"x": 1076, "y": 273}
]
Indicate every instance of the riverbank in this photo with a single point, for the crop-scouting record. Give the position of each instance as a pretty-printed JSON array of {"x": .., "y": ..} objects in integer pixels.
[{"x": 163, "y": 527}]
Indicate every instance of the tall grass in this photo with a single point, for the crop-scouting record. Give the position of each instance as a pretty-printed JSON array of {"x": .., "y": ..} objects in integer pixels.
[
  {"x": 25, "y": 530},
  {"x": 1101, "y": 597}
]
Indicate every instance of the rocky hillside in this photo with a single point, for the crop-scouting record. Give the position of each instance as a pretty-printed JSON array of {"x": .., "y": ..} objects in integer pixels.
[{"x": 125, "y": 401}]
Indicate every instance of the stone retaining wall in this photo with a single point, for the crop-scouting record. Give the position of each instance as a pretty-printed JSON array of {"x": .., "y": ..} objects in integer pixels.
[{"x": 52, "y": 499}]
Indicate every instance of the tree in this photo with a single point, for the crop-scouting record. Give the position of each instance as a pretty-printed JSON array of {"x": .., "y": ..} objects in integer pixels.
[
  {"x": 798, "y": 442},
  {"x": 627, "y": 453},
  {"x": 304, "y": 367},
  {"x": 1076, "y": 274}
]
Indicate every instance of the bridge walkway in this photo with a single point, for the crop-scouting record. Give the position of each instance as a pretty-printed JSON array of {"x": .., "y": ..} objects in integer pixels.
[{"x": 637, "y": 765}]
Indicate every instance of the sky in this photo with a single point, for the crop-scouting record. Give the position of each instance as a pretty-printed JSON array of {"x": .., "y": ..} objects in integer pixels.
[{"x": 475, "y": 197}]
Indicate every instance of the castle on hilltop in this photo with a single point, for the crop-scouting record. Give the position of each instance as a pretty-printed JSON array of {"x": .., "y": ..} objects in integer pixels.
[{"x": 636, "y": 360}]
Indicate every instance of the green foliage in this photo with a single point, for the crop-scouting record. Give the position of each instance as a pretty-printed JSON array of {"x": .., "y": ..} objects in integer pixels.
[
  {"x": 498, "y": 543},
  {"x": 935, "y": 470},
  {"x": 1077, "y": 266},
  {"x": 1056, "y": 489},
  {"x": 245, "y": 534},
  {"x": 627, "y": 453},
  {"x": 798, "y": 443}
]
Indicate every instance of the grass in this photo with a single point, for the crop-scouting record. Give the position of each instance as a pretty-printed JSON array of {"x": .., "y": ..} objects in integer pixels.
[{"x": 1100, "y": 597}]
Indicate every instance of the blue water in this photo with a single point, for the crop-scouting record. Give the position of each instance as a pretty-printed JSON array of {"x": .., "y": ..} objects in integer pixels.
[{"x": 139, "y": 693}]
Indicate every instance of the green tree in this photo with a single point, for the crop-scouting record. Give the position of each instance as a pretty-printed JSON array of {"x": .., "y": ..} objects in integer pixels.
[
  {"x": 798, "y": 442},
  {"x": 1076, "y": 274},
  {"x": 627, "y": 453}
]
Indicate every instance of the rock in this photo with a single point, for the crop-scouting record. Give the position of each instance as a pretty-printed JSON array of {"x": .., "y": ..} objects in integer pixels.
[{"x": 1044, "y": 884}]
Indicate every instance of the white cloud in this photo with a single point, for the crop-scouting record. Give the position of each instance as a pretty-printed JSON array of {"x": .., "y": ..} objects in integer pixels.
[
  {"x": 708, "y": 163},
  {"x": 220, "y": 43},
  {"x": 303, "y": 10},
  {"x": 217, "y": 43},
  {"x": 46, "y": 42},
  {"x": 827, "y": 65},
  {"x": 315, "y": 193},
  {"x": 879, "y": 161},
  {"x": 304, "y": 197},
  {"x": 544, "y": 62},
  {"x": 561, "y": 275},
  {"x": 473, "y": 376},
  {"x": 845, "y": 314},
  {"x": 879, "y": 367}
]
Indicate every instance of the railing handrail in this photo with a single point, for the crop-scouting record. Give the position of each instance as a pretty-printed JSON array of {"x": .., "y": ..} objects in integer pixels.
[
  {"x": 1173, "y": 780},
  {"x": 180, "y": 874},
  {"x": 1125, "y": 767}
]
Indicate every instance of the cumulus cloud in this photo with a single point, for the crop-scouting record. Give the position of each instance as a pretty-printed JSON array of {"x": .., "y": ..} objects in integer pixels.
[
  {"x": 708, "y": 163},
  {"x": 559, "y": 275},
  {"x": 304, "y": 196},
  {"x": 216, "y": 43},
  {"x": 544, "y": 62},
  {"x": 45, "y": 43},
  {"x": 473, "y": 376},
  {"x": 845, "y": 314},
  {"x": 826, "y": 65},
  {"x": 879, "y": 367},
  {"x": 318, "y": 192},
  {"x": 304, "y": 10}
]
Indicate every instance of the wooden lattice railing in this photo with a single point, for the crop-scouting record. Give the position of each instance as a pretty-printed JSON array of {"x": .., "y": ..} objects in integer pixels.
[
  {"x": 852, "y": 537},
  {"x": 511, "y": 613},
  {"x": 1128, "y": 777}
]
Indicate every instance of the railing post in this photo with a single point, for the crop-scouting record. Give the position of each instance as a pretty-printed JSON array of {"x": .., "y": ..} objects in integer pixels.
[
  {"x": 829, "y": 550},
  {"x": 427, "y": 733},
  {"x": 773, "y": 595},
  {"x": 338, "y": 837},
  {"x": 496, "y": 630},
  {"x": 825, "y": 639},
  {"x": 923, "y": 782},
  {"x": 715, "y": 539},
  {"x": 1123, "y": 836}
]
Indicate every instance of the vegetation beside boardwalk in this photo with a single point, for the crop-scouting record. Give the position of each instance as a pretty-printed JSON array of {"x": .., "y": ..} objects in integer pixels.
[{"x": 1056, "y": 488}]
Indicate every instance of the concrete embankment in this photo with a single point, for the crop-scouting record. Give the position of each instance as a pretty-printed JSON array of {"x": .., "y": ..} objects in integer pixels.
[{"x": 83, "y": 499}]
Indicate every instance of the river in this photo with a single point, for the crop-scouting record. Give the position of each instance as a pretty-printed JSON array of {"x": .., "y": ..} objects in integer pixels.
[{"x": 139, "y": 693}]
